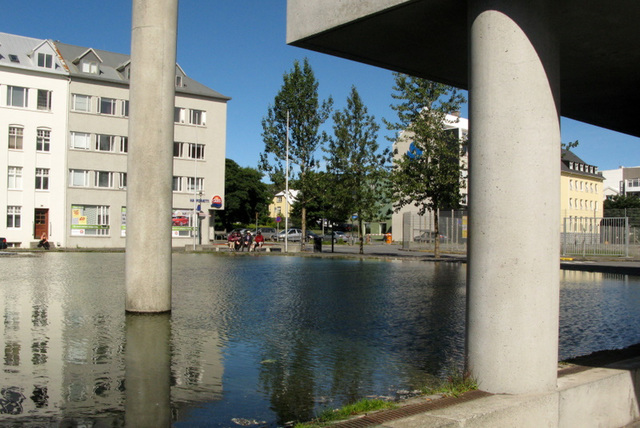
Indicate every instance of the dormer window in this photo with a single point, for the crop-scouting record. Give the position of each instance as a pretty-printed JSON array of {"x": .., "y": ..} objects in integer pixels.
[
  {"x": 178, "y": 81},
  {"x": 14, "y": 58},
  {"x": 90, "y": 67},
  {"x": 45, "y": 60}
]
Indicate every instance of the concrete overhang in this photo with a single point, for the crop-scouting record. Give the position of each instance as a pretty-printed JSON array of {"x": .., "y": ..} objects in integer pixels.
[{"x": 599, "y": 47}]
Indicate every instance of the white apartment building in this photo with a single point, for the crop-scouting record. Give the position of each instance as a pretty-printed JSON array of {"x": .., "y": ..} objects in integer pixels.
[
  {"x": 85, "y": 161},
  {"x": 403, "y": 145},
  {"x": 622, "y": 181}
]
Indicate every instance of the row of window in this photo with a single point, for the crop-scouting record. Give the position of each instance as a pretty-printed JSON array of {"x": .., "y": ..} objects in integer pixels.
[
  {"x": 95, "y": 220},
  {"x": 16, "y": 138},
  {"x": 583, "y": 186},
  {"x": 14, "y": 178},
  {"x": 581, "y": 204},
  {"x": 583, "y": 167},
  {"x": 118, "y": 107},
  {"x": 118, "y": 180},
  {"x": 18, "y": 96}
]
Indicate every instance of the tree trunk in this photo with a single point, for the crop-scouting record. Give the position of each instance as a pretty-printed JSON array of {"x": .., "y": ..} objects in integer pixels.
[
  {"x": 436, "y": 246},
  {"x": 303, "y": 227},
  {"x": 360, "y": 234}
]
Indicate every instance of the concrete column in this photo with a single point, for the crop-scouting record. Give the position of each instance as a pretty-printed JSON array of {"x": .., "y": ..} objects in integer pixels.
[
  {"x": 150, "y": 158},
  {"x": 514, "y": 196}
]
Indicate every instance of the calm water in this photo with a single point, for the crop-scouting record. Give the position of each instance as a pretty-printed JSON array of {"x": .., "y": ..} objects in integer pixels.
[{"x": 251, "y": 339}]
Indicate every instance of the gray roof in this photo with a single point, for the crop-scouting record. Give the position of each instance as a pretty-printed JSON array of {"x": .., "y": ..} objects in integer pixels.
[
  {"x": 21, "y": 49},
  {"x": 569, "y": 156},
  {"x": 112, "y": 64}
]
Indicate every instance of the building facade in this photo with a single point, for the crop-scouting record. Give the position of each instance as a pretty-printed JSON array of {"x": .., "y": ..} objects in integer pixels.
[
  {"x": 282, "y": 203},
  {"x": 581, "y": 189},
  {"x": 65, "y": 114},
  {"x": 622, "y": 181}
]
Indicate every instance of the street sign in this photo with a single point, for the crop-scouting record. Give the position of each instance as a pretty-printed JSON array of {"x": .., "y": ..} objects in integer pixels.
[{"x": 278, "y": 219}]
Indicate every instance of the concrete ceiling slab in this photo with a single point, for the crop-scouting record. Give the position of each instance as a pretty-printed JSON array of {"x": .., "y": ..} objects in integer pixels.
[{"x": 599, "y": 47}]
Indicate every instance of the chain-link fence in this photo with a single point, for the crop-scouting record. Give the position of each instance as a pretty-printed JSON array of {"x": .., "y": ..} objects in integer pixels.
[{"x": 419, "y": 232}]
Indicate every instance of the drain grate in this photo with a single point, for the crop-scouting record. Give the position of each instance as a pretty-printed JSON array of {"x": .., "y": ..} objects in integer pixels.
[{"x": 409, "y": 410}]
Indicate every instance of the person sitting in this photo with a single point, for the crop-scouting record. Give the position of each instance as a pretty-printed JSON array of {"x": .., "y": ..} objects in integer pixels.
[
  {"x": 258, "y": 241},
  {"x": 44, "y": 243},
  {"x": 234, "y": 240},
  {"x": 247, "y": 241}
]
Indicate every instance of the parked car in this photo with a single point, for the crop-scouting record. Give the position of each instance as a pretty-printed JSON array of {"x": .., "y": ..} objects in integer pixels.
[
  {"x": 3, "y": 243},
  {"x": 428, "y": 236},
  {"x": 338, "y": 236},
  {"x": 269, "y": 233},
  {"x": 292, "y": 235}
]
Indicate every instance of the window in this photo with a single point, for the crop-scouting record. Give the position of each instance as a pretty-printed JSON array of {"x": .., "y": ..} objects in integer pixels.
[
  {"x": 42, "y": 179},
  {"x": 14, "y": 181},
  {"x": 196, "y": 151},
  {"x": 124, "y": 144},
  {"x": 45, "y": 60},
  {"x": 13, "y": 217},
  {"x": 196, "y": 117},
  {"x": 178, "y": 81},
  {"x": 15, "y": 137},
  {"x": 14, "y": 58},
  {"x": 90, "y": 67},
  {"x": 570, "y": 184},
  {"x": 104, "y": 143},
  {"x": 78, "y": 178},
  {"x": 104, "y": 179},
  {"x": 177, "y": 184},
  {"x": 80, "y": 141},
  {"x": 177, "y": 149},
  {"x": 570, "y": 203},
  {"x": 44, "y": 100},
  {"x": 279, "y": 199},
  {"x": 90, "y": 220},
  {"x": 43, "y": 140},
  {"x": 17, "y": 96},
  {"x": 81, "y": 103},
  {"x": 195, "y": 184},
  {"x": 125, "y": 108},
  {"x": 178, "y": 115},
  {"x": 107, "y": 106},
  {"x": 122, "y": 184}
]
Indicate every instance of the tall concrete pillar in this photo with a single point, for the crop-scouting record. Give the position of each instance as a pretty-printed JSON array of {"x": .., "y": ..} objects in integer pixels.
[
  {"x": 514, "y": 196},
  {"x": 150, "y": 158}
]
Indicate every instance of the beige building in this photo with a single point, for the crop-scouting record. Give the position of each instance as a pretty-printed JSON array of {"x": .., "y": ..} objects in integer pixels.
[
  {"x": 281, "y": 205},
  {"x": 582, "y": 189},
  {"x": 77, "y": 172}
]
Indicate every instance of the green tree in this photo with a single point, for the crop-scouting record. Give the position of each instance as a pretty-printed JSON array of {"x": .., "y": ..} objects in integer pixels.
[
  {"x": 429, "y": 176},
  {"x": 622, "y": 202},
  {"x": 296, "y": 105},
  {"x": 245, "y": 195},
  {"x": 356, "y": 163}
]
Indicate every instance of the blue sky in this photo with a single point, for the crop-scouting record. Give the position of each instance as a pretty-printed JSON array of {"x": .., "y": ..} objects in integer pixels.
[{"x": 237, "y": 47}]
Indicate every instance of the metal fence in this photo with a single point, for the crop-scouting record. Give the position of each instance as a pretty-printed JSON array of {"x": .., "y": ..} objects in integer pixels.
[
  {"x": 580, "y": 236},
  {"x": 589, "y": 236},
  {"x": 418, "y": 232}
]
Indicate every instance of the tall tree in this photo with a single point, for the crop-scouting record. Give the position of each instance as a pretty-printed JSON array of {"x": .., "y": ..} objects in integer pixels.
[
  {"x": 245, "y": 195},
  {"x": 356, "y": 162},
  {"x": 297, "y": 99},
  {"x": 429, "y": 175}
]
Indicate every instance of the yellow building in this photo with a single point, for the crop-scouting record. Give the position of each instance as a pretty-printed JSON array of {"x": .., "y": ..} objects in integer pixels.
[
  {"x": 582, "y": 189},
  {"x": 281, "y": 205}
]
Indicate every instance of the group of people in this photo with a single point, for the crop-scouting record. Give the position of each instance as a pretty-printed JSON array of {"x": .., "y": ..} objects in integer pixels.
[{"x": 239, "y": 242}]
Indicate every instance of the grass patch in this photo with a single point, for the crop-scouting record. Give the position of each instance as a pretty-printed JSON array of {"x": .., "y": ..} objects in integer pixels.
[
  {"x": 455, "y": 385},
  {"x": 346, "y": 412}
]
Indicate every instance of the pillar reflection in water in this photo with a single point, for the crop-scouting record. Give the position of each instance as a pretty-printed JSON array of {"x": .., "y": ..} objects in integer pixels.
[{"x": 148, "y": 370}]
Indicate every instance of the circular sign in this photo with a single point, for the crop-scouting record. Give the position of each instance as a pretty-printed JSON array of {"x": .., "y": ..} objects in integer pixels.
[
  {"x": 216, "y": 202},
  {"x": 278, "y": 219}
]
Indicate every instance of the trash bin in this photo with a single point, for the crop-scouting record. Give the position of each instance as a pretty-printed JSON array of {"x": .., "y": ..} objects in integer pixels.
[
  {"x": 317, "y": 244},
  {"x": 387, "y": 238}
]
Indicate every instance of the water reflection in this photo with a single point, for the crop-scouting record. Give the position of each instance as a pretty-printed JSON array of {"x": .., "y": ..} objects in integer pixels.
[{"x": 251, "y": 339}]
